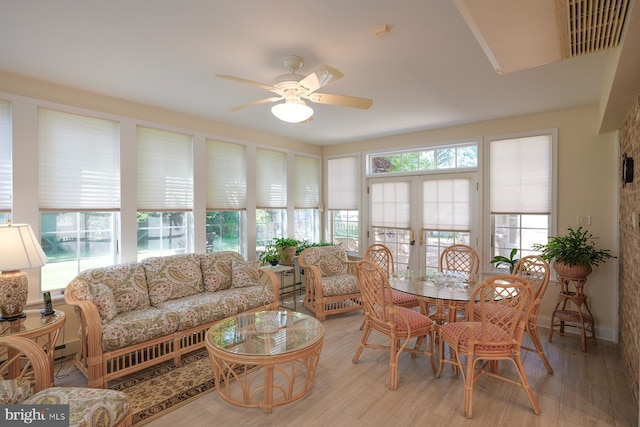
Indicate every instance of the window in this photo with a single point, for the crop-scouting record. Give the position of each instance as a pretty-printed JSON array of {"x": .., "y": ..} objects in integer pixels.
[
  {"x": 226, "y": 195},
  {"x": 306, "y": 218},
  {"x": 446, "y": 215},
  {"x": 521, "y": 189},
  {"x": 5, "y": 161},
  {"x": 165, "y": 192},
  {"x": 79, "y": 193},
  {"x": 439, "y": 158},
  {"x": 343, "y": 192},
  {"x": 271, "y": 196}
]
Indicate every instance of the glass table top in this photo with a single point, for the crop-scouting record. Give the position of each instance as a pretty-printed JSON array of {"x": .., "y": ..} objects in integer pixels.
[
  {"x": 265, "y": 333},
  {"x": 32, "y": 322}
]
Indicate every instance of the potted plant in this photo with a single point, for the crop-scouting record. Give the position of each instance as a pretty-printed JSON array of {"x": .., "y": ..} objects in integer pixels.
[
  {"x": 573, "y": 254},
  {"x": 499, "y": 260},
  {"x": 270, "y": 255},
  {"x": 286, "y": 247}
]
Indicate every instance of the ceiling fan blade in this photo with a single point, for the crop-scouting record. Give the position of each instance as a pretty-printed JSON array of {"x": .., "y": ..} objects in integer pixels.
[
  {"x": 249, "y": 82},
  {"x": 342, "y": 100},
  {"x": 319, "y": 78},
  {"x": 255, "y": 103}
]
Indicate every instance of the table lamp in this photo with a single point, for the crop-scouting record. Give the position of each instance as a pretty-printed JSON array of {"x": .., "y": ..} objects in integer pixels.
[{"x": 19, "y": 248}]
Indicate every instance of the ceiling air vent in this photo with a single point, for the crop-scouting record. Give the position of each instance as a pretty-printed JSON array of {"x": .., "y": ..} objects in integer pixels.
[{"x": 588, "y": 26}]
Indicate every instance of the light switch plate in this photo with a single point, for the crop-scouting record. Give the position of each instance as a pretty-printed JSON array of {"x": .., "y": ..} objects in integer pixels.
[{"x": 583, "y": 219}]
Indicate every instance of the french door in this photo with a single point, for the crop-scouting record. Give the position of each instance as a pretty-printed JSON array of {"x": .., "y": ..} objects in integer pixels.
[{"x": 416, "y": 217}]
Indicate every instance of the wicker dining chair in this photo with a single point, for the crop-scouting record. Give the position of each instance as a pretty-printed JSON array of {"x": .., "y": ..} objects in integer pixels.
[
  {"x": 458, "y": 258},
  {"x": 398, "y": 324},
  {"x": 381, "y": 255},
  {"x": 536, "y": 270},
  {"x": 25, "y": 378},
  {"x": 505, "y": 303}
]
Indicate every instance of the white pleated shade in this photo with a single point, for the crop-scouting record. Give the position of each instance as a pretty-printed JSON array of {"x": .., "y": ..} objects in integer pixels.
[{"x": 19, "y": 248}]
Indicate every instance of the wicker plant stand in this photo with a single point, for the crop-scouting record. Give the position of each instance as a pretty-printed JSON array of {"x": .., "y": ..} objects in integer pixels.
[{"x": 572, "y": 310}]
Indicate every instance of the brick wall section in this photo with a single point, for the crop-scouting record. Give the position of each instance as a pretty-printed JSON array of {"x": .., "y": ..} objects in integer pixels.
[{"x": 629, "y": 310}]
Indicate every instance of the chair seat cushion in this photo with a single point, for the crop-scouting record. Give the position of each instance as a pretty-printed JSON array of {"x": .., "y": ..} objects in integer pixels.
[
  {"x": 138, "y": 326},
  {"x": 400, "y": 297},
  {"x": 416, "y": 319},
  {"x": 459, "y": 332},
  {"x": 343, "y": 284},
  {"x": 87, "y": 406},
  {"x": 14, "y": 391}
]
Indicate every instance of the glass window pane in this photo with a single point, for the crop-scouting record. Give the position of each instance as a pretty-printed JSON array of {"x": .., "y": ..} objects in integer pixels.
[
  {"x": 224, "y": 230},
  {"x": 75, "y": 241},
  {"x": 344, "y": 228},
  {"x": 270, "y": 224},
  {"x": 162, "y": 233}
]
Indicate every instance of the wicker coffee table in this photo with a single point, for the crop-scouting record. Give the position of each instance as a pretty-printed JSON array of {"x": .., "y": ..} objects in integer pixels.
[{"x": 264, "y": 359}]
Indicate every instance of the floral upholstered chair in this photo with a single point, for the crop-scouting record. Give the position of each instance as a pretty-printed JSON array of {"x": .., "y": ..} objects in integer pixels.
[
  {"x": 331, "y": 284},
  {"x": 30, "y": 383}
]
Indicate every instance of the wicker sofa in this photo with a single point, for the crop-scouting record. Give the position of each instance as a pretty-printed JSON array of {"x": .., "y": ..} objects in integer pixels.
[{"x": 139, "y": 314}]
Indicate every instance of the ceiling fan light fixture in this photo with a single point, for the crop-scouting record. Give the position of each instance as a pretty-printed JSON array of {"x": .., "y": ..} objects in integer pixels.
[{"x": 292, "y": 111}]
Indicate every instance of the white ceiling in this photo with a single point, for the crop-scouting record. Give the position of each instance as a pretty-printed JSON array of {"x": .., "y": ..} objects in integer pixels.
[{"x": 427, "y": 72}]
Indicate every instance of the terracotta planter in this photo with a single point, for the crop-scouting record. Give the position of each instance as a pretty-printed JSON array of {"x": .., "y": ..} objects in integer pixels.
[{"x": 572, "y": 271}]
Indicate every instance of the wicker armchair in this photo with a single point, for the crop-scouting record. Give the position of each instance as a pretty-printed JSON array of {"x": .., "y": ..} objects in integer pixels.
[
  {"x": 331, "y": 284},
  {"x": 398, "y": 324},
  {"x": 25, "y": 378},
  {"x": 504, "y": 305}
]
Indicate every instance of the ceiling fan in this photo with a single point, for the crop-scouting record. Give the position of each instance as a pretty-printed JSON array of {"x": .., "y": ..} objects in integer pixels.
[{"x": 293, "y": 88}]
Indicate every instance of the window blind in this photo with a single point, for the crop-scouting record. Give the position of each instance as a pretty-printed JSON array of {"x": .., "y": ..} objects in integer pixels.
[
  {"x": 5, "y": 156},
  {"x": 226, "y": 176},
  {"x": 390, "y": 204},
  {"x": 446, "y": 204},
  {"x": 307, "y": 188},
  {"x": 165, "y": 170},
  {"x": 342, "y": 183},
  {"x": 78, "y": 162},
  {"x": 521, "y": 175},
  {"x": 271, "y": 179}
]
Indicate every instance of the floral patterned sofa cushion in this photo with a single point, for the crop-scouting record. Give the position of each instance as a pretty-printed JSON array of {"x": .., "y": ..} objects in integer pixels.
[
  {"x": 331, "y": 260},
  {"x": 87, "y": 406},
  {"x": 245, "y": 273},
  {"x": 103, "y": 298},
  {"x": 126, "y": 281},
  {"x": 343, "y": 284},
  {"x": 207, "y": 307},
  {"x": 216, "y": 269},
  {"x": 14, "y": 391},
  {"x": 137, "y": 327},
  {"x": 172, "y": 277}
]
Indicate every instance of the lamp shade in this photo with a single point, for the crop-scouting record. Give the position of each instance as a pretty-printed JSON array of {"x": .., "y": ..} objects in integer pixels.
[
  {"x": 292, "y": 111},
  {"x": 19, "y": 248}
]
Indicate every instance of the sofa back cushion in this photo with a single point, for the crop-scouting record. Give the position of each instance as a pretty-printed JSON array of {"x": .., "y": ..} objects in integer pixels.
[
  {"x": 217, "y": 269},
  {"x": 126, "y": 281},
  {"x": 245, "y": 273},
  {"x": 172, "y": 277},
  {"x": 331, "y": 260}
]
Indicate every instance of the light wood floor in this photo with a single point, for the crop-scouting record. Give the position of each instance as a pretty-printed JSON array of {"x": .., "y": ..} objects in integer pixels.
[{"x": 587, "y": 389}]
